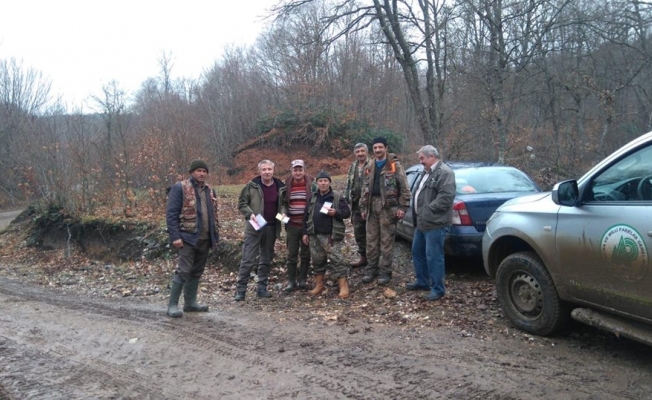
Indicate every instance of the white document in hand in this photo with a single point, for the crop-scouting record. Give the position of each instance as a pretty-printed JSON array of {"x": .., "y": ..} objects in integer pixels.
[
  {"x": 258, "y": 223},
  {"x": 282, "y": 218},
  {"x": 327, "y": 205}
]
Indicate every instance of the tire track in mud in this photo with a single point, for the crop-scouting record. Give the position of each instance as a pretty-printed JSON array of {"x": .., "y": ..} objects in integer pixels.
[
  {"x": 202, "y": 334},
  {"x": 319, "y": 365},
  {"x": 56, "y": 376}
]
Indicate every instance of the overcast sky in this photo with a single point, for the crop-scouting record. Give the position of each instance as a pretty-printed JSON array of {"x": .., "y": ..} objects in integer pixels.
[{"x": 81, "y": 45}]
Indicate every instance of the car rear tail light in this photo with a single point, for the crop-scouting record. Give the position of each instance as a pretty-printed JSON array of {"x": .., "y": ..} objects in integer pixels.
[{"x": 461, "y": 214}]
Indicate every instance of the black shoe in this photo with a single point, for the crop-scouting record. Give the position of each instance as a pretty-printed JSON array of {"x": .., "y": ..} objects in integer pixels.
[
  {"x": 432, "y": 296},
  {"x": 239, "y": 296},
  {"x": 291, "y": 287},
  {"x": 263, "y": 294},
  {"x": 414, "y": 286},
  {"x": 301, "y": 285},
  {"x": 384, "y": 279},
  {"x": 368, "y": 278}
]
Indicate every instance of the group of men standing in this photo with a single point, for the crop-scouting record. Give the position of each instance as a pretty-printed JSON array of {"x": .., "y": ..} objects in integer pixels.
[{"x": 377, "y": 196}]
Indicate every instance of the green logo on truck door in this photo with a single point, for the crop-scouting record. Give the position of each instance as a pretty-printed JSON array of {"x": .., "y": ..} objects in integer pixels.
[{"x": 625, "y": 252}]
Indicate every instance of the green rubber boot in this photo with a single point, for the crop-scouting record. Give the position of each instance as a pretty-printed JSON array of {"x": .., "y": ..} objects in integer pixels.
[
  {"x": 173, "y": 303},
  {"x": 190, "y": 296}
]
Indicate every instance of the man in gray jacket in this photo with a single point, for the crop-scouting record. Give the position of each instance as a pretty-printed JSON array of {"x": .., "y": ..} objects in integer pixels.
[{"x": 434, "y": 193}]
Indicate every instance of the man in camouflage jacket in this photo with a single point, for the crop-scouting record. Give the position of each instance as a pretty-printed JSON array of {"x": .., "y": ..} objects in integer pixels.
[
  {"x": 352, "y": 194},
  {"x": 385, "y": 199}
]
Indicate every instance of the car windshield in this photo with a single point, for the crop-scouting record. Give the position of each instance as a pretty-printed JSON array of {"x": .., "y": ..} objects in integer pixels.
[{"x": 492, "y": 180}]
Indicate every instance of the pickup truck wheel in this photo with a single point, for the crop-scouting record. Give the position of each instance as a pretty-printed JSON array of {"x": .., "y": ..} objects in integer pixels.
[{"x": 528, "y": 296}]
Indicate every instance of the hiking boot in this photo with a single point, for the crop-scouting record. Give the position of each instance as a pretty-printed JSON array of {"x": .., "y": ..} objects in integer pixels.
[
  {"x": 344, "y": 287},
  {"x": 384, "y": 279},
  {"x": 239, "y": 295},
  {"x": 319, "y": 285},
  {"x": 433, "y": 296},
  {"x": 262, "y": 293},
  {"x": 291, "y": 287}
]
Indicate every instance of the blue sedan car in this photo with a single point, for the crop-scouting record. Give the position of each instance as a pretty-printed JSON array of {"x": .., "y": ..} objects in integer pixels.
[{"x": 481, "y": 189}]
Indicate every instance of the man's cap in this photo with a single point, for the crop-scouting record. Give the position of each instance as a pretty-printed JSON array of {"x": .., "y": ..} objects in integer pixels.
[
  {"x": 298, "y": 163},
  {"x": 323, "y": 174},
  {"x": 198, "y": 164},
  {"x": 379, "y": 139}
]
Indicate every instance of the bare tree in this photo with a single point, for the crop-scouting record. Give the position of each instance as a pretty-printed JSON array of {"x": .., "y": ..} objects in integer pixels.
[
  {"x": 24, "y": 96},
  {"x": 411, "y": 32},
  {"x": 115, "y": 148}
]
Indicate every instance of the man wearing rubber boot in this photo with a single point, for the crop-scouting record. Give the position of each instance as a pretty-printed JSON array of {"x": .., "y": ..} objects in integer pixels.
[
  {"x": 385, "y": 199},
  {"x": 298, "y": 190},
  {"x": 260, "y": 201},
  {"x": 191, "y": 217},
  {"x": 354, "y": 180},
  {"x": 323, "y": 226},
  {"x": 434, "y": 194}
]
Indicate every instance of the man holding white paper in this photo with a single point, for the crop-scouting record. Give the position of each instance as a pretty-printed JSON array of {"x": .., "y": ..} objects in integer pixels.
[
  {"x": 299, "y": 188},
  {"x": 260, "y": 203},
  {"x": 323, "y": 230}
]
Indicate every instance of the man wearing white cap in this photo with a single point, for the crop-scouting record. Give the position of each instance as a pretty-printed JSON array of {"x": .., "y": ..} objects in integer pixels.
[{"x": 299, "y": 187}]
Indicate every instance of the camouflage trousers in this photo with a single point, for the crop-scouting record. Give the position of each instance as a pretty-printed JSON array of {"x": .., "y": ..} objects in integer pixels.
[
  {"x": 381, "y": 231},
  {"x": 322, "y": 248},
  {"x": 359, "y": 230}
]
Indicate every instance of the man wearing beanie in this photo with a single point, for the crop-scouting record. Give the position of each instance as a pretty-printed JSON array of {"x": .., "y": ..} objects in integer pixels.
[
  {"x": 192, "y": 223},
  {"x": 323, "y": 230},
  {"x": 385, "y": 199}
]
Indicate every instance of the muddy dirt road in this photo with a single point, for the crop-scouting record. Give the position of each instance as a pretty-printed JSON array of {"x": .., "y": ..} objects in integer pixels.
[{"x": 66, "y": 346}]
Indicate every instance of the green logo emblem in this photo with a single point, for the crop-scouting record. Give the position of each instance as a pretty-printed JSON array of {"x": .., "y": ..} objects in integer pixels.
[{"x": 625, "y": 253}]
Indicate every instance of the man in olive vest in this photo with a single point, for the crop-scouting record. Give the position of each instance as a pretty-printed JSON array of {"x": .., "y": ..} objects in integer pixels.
[
  {"x": 323, "y": 230},
  {"x": 191, "y": 218}
]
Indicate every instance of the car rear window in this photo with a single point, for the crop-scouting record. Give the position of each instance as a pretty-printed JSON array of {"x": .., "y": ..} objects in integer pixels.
[{"x": 492, "y": 180}]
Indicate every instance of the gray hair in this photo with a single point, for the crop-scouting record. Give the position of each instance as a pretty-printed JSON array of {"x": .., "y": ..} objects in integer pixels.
[
  {"x": 358, "y": 145},
  {"x": 265, "y": 162},
  {"x": 429, "y": 151}
]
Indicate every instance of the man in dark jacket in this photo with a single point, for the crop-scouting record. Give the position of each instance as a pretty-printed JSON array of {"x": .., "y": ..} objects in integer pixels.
[
  {"x": 191, "y": 218},
  {"x": 323, "y": 228},
  {"x": 260, "y": 201},
  {"x": 434, "y": 193}
]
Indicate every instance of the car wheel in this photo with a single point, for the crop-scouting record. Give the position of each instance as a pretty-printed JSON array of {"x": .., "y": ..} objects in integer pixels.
[{"x": 528, "y": 296}]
